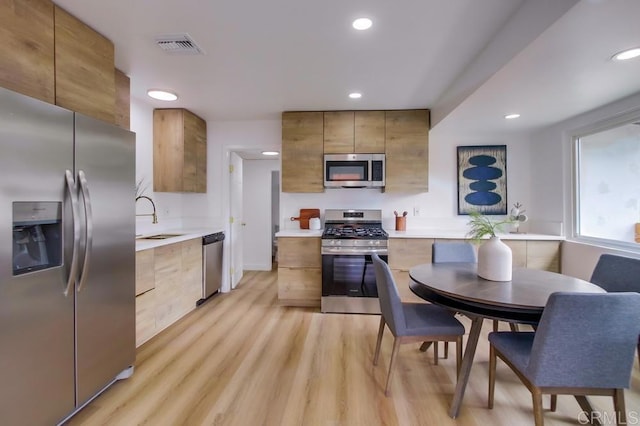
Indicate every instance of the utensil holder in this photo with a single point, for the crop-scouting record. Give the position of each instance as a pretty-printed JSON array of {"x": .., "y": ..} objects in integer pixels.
[{"x": 401, "y": 223}]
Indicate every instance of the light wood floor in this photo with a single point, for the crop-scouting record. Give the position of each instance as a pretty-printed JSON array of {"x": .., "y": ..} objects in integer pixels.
[{"x": 240, "y": 359}]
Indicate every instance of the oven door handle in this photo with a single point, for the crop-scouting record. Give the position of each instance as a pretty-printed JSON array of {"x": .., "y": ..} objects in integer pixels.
[{"x": 353, "y": 251}]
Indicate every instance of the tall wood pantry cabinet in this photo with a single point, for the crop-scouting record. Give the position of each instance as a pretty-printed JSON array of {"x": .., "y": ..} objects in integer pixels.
[{"x": 179, "y": 151}]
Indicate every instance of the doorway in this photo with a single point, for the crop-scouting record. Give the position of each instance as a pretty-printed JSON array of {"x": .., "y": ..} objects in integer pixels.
[{"x": 254, "y": 212}]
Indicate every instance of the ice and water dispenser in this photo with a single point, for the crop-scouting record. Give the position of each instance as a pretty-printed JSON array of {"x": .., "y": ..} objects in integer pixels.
[{"x": 37, "y": 236}]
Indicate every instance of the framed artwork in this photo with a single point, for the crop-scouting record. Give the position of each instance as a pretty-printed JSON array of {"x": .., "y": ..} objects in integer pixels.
[{"x": 482, "y": 179}]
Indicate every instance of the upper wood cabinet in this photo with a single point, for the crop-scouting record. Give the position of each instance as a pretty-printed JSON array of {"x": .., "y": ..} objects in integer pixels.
[
  {"x": 84, "y": 68},
  {"x": 179, "y": 151},
  {"x": 347, "y": 132},
  {"x": 123, "y": 100},
  {"x": 407, "y": 150},
  {"x": 27, "y": 51},
  {"x": 302, "y": 152}
]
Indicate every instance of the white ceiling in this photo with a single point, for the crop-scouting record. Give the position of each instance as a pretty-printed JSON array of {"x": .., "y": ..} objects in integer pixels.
[{"x": 469, "y": 61}]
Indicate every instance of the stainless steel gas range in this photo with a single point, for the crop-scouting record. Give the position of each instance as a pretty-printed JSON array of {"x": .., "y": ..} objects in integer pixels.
[{"x": 348, "y": 278}]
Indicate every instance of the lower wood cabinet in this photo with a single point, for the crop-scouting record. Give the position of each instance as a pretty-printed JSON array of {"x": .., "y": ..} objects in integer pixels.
[
  {"x": 299, "y": 271},
  {"x": 168, "y": 285},
  {"x": 405, "y": 253}
]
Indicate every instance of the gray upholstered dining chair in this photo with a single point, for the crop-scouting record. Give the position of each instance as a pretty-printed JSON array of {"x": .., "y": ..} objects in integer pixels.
[
  {"x": 411, "y": 322},
  {"x": 618, "y": 273},
  {"x": 571, "y": 351},
  {"x": 450, "y": 252}
]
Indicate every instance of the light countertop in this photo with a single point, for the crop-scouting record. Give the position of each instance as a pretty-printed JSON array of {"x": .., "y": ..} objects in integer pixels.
[
  {"x": 427, "y": 233},
  {"x": 460, "y": 235},
  {"x": 184, "y": 235},
  {"x": 300, "y": 233}
]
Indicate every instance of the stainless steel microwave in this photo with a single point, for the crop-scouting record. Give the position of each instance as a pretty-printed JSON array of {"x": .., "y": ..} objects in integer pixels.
[{"x": 354, "y": 170}]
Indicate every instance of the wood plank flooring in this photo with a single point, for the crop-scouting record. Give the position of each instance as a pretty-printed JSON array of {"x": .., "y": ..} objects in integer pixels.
[{"x": 240, "y": 359}]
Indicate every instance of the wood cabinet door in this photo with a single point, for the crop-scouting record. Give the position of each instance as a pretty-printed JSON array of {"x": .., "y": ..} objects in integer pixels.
[
  {"x": 145, "y": 276},
  {"x": 84, "y": 68},
  {"x": 299, "y": 286},
  {"x": 201, "y": 156},
  {"x": 405, "y": 253},
  {"x": 294, "y": 252},
  {"x": 189, "y": 169},
  {"x": 27, "y": 48},
  {"x": 544, "y": 255},
  {"x": 191, "y": 274},
  {"x": 168, "y": 150},
  {"x": 338, "y": 132},
  {"x": 369, "y": 132},
  {"x": 168, "y": 290},
  {"x": 123, "y": 100},
  {"x": 407, "y": 150},
  {"x": 302, "y": 152}
]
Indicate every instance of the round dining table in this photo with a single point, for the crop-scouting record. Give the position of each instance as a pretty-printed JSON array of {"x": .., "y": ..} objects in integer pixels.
[{"x": 458, "y": 287}]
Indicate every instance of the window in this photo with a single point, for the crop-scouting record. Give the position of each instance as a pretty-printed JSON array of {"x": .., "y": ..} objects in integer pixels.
[{"x": 608, "y": 185}]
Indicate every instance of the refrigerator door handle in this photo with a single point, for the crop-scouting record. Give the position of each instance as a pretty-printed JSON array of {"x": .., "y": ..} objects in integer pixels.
[
  {"x": 88, "y": 215},
  {"x": 71, "y": 186}
]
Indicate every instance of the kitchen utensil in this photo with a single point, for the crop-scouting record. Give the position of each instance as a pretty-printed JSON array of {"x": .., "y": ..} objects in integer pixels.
[
  {"x": 395, "y": 213},
  {"x": 404, "y": 214},
  {"x": 305, "y": 215}
]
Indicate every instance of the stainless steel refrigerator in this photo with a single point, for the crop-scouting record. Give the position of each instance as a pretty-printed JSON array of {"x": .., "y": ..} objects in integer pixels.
[{"x": 67, "y": 259}]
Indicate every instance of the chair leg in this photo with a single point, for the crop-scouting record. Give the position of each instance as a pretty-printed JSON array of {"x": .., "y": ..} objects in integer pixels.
[
  {"x": 492, "y": 375},
  {"x": 536, "y": 395},
  {"x": 618, "y": 406},
  {"x": 378, "y": 343},
  {"x": 458, "y": 356},
  {"x": 394, "y": 352},
  {"x": 514, "y": 327},
  {"x": 435, "y": 353},
  {"x": 495, "y": 325},
  {"x": 446, "y": 350},
  {"x": 424, "y": 346},
  {"x": 554, "y": 403}
]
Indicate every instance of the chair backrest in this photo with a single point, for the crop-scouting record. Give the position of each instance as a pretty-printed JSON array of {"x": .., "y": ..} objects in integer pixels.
[
  {"x": 617, "y": 273},
  {"x": 453, "y": 251},
  {"x": 586, "y": 340},
  {"x": 390, "y": 302}
]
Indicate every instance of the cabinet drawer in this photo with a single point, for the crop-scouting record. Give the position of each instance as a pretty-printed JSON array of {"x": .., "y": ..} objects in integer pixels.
[
  {"x": 294, "y": 252},
  {"x": 299, "y": 287},
  {"x": 405, "y": 253},
  {"x": 145, "y": 276},
  {"x": 145, "y": 317}
]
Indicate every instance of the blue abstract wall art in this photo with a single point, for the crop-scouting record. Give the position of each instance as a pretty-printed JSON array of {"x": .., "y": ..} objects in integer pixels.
[{"x": 482, "y": 179}]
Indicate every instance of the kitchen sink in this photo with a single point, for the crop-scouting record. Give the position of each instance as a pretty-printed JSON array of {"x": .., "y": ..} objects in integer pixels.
[{"x": 159, "y": 236}]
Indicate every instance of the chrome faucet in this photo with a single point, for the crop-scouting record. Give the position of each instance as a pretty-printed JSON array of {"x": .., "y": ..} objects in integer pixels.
[{"x": 154, "y": 215}]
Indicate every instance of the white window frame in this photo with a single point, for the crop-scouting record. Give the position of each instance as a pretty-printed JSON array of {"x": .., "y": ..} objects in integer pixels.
[{"x": 600, "y": 126}]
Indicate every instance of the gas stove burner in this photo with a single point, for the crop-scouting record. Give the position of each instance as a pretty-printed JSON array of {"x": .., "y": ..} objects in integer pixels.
[{"x": 349, "y": 231}]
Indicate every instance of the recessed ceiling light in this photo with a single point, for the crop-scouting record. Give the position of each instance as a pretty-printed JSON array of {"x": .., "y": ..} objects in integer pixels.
[
  {"x": 627, "y": 54},
  {"x": 355, "y": 95},
  {"x": 270, "y": 153},
  {"x": 162, "y": 95},
  {"x": 362, "y": 24},
  {"x": 511, "y": 116}
]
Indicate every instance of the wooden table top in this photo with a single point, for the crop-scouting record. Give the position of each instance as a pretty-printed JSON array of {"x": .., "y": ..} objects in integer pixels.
[{"x": 458, "y": 286}]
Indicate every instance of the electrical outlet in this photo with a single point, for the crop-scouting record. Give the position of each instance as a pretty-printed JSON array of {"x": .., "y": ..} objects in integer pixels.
[{"x": 416, "y": 211}]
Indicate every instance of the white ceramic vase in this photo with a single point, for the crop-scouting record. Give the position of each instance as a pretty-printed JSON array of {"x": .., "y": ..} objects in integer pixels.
[{"x": 495, "y": 260}]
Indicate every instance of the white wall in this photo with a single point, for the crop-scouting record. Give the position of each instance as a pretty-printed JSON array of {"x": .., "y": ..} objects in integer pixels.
[
  {"x": 552, "y": 177},
  {"x": 438, "y": 208},
  {"x": 257, "y": 213},
  {"x": 175, "y": 210}
]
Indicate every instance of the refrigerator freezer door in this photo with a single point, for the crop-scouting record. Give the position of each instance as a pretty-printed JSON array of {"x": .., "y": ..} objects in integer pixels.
[
  {"x": 105, "y": 294},
  {"x": 36, "y": 330}
]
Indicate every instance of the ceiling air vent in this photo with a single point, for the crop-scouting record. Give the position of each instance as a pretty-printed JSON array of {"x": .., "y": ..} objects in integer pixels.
[{"x": 179, "y": 44}]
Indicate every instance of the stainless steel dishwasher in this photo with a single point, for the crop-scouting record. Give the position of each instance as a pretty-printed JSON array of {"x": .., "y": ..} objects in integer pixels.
[{"x": 211, "y": 265}]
